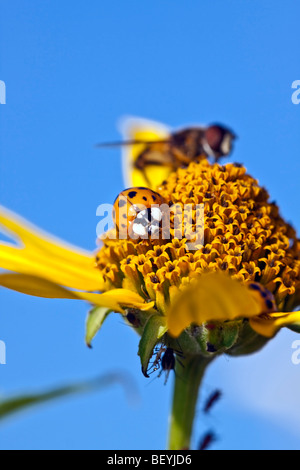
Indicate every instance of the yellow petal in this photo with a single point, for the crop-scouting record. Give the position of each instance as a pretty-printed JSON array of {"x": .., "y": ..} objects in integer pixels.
[
  {"x": 32, "y": 285},
  {"x": 61, "y": 272},
  {"x": 45, "y": 256},
  {"x": 215, "y": 297},
  {"x": 141, "y": 129},
  {"x": 32, "y": 236},
  {"x": 115, "y": 299},
  {"x": 269, "y": 325}
]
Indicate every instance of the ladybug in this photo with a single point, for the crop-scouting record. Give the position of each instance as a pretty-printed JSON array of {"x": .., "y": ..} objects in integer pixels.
[{"x": 137, "y": 213}]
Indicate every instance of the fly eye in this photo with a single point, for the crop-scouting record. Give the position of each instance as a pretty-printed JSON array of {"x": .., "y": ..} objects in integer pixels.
[
  {"x": 219, "y": 139},
  {"x": 214, "y": 137}
]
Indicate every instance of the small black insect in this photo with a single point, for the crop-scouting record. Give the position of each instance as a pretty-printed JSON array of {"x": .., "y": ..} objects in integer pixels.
[
  {"x": 159, "y": 351},
  {"x": 207, "y": 440},
  {"x": 133, "y": 319},
  {"x": 166, "y": 360},
  {"x": 212, "y": 399}
]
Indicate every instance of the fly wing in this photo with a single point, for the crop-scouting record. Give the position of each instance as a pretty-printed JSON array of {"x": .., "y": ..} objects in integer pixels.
[{"x": 137, "y": 129}]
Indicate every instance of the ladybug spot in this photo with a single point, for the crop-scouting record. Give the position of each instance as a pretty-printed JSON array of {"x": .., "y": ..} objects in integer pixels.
[{"x": 122, "y": 202}]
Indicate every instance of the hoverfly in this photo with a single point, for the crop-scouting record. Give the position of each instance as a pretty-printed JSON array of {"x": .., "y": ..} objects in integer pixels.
[{"x": 151, "y": 151}]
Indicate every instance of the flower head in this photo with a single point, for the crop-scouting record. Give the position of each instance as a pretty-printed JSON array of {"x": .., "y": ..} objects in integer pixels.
[{"x": 244, "y": 237}]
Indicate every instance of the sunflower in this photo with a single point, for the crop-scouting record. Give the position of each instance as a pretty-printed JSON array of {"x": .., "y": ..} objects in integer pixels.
[{"x": 229, "y": 295}]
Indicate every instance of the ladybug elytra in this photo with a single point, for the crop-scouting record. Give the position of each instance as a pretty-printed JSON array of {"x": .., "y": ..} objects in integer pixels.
[{"x": 138, "y": 213}]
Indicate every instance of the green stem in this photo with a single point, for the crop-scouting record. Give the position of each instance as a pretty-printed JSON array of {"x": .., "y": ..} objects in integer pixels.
[{"x": 187, "y": 382}]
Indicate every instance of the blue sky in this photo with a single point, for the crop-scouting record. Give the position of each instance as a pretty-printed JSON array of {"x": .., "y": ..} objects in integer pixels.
[{"x": 71, "y": 70}]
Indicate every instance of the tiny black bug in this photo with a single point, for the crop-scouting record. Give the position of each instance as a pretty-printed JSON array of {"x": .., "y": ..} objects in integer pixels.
[
  {"x": 133, "y": 319},
  {"x": 212, "y": 399},
  {"x": 166, "y": 360},
  {"x": 207, "y": 440}
]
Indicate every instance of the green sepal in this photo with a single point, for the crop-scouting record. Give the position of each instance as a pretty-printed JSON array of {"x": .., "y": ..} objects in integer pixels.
[
  {"x": 94, "y": 322},
  {"x": 154, "y": 330},
  {"x": 216, "y": 337},
  {"x": 248, "y": 341}
]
